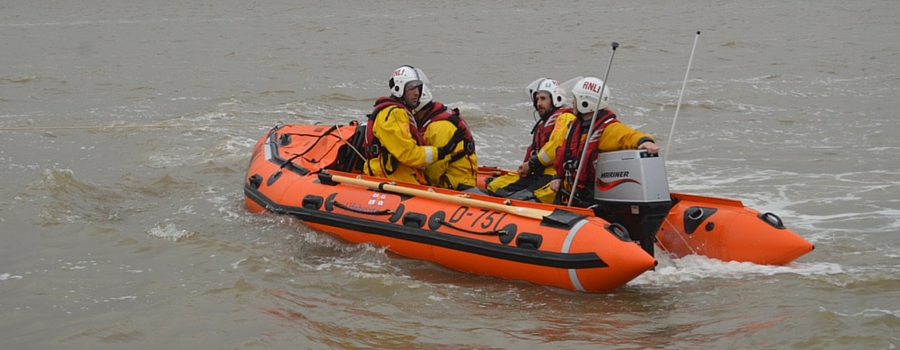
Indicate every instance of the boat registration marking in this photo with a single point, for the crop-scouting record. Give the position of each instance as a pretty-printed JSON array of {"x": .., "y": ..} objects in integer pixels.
[{"x": 484, "y": 218}]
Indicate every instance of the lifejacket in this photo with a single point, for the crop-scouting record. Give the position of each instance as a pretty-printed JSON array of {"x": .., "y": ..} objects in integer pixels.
[
  {"x": 372, "y": 146},
  {"x": 439, "y": 112},
  {"x": 567, "y": 164},
  {"x": 542, "y": 130}
]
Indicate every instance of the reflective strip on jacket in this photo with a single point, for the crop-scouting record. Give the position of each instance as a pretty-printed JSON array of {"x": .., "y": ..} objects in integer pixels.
[
  {"x": 443, "y": 172},
  {"x": 401, "y": 157},
  {"x": 548, "y": 151}
]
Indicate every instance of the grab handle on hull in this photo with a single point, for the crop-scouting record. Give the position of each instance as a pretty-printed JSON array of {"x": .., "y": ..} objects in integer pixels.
[{"x": 772, "y": 219}]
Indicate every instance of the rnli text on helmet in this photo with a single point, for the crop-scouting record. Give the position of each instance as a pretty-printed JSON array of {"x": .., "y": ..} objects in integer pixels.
[{"x": 591, "y": 86}]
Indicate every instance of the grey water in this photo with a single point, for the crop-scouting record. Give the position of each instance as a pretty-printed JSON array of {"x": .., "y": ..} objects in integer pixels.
[{"x": 126, "y": 129}]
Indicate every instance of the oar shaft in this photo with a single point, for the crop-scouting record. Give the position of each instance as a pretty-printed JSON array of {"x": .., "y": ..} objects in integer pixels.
[{"x": 536, "y": 214}]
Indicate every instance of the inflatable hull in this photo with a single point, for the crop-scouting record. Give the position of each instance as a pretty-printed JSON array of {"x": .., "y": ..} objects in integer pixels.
[
  {"x": 717, "y": 228},
  {"x": 294, "y": 170},
  {"x": 726, "y": 230}
]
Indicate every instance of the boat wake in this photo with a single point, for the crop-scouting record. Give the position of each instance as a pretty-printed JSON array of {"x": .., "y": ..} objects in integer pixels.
[{"x": 697, "y": 267}]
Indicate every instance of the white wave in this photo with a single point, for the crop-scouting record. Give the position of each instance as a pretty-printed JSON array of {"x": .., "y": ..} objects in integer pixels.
[
  {"x": 362, "y": 261},
  {"x": 169, "y": 232},
  {"x": 6, "y": 276},
  {"x": 697, "y": 267},
  {"x": 235, "y": 264},
  {"x": 190, "y": 98},
  {"x": 157, "y": 161},
  {"x": 467, "y": 106},
  {"x": 890, "y": 213},
  {"x": 232, "y": 214},
  {"x": 866, "y": 313}
]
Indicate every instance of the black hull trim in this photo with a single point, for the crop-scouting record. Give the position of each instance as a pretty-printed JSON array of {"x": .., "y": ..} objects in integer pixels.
[{"x": 434, "y": 238}]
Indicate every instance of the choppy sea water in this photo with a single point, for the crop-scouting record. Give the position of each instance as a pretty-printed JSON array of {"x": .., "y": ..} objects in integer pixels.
[{"x": 126, "y": 128}]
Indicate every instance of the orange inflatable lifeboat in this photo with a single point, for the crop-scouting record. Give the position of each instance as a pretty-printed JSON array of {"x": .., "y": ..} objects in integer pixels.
[
  {"x": 311, "y": 172},
  {"x": 684, "y": 224}
]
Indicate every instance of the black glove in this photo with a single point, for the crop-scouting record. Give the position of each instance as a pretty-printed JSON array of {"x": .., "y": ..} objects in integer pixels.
[
  {"x": 446, "y": 150},
  {"x": 535, "y": 166},
  {"x": 457, "y": 137}
]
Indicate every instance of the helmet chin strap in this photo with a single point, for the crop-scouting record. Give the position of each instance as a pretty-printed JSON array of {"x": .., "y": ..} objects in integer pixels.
[{"x": 548, "y": 114}]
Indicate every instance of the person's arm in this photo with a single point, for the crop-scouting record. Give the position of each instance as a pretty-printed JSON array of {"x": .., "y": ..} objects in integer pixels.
[
  {"x": 548, "y": 153},
  {"x": 392, "y": 129},
  {"x": 618, "y": 136},
  {"x": 439, "y": 133}
]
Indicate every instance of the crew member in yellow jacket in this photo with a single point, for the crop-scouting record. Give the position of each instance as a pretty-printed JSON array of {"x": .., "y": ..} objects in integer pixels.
[
  {"x": 607, "y": 135},
  {"x": 531, "y": 180},
  {"x": 394, "y": 149},
  {"x": 441, "y": 125}
]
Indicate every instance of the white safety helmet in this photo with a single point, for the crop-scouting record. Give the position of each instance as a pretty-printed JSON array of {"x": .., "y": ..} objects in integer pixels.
[
  {"x": 405, "y": 77},
  {"x": 586, "y": 92},
  {"x": 424, "y": 98},
  {"x": 557, "y": 95}
]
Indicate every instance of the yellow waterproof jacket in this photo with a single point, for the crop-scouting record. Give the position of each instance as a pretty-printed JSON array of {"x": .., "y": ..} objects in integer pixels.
[
  {"x": 443, "y": 172},
  {"x": 401, "y": 157},
  {"x": 558, "y": 127},
  {"x": 618, "y": 137},
  {"x": 614, "y": 136},
  {"x": 547, "y": 154}
]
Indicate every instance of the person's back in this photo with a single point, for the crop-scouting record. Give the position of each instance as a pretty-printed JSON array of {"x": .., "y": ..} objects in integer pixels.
[
  {"x": 394, "y": 147},
  {"x": 441, "y": 125}
]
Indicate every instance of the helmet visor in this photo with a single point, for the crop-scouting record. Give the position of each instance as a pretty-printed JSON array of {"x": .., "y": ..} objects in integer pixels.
[{"x": 412, "y": 84}]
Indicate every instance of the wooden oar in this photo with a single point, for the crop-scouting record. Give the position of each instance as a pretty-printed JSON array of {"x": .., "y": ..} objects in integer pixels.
[{"x": 536, "y": 214}]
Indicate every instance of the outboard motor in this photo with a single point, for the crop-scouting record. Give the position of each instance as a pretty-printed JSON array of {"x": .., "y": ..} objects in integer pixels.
[{"x": 632, "y": 190}]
